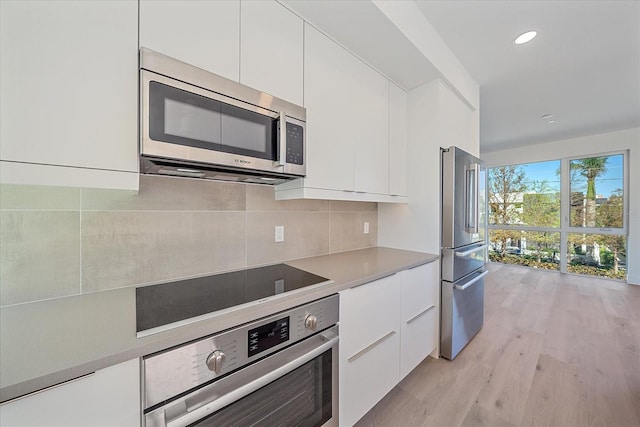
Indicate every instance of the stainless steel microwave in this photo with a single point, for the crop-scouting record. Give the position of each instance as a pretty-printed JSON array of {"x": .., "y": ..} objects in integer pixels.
[{"x": 197, "y": 124}]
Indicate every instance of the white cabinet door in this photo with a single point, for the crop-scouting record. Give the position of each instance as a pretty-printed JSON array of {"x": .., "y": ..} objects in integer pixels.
[
  {"x": 370, "y": 115},
  {"x": 418, "y": 338},
  {"x": 366, "y": 378},
  {"x": 420, "y": 301},
  {"x": 204, "y": 33},
  {"x": 347, "y": 119},
  {"x": 271, "y": 46},
  {"x": 369, "y": 345},
  {"x": 69, "y": 89},
  {"x": 108, "y": 397},
  {"x": 420, "y": 289},
  {"x": 347, "y": 127},
  {"x": 367, "y": 313},
  {"x": 329, "y": 91},
  {"x": 347, "y": 112},
  {"x": 397, "y": 141}
]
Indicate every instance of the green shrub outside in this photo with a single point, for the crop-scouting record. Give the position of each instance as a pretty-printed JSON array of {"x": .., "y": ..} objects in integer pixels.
[{"x": 529, "y": 261}]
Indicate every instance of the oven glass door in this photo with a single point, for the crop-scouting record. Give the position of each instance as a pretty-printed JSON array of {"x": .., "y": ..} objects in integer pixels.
[
  {"x": 303, "y": 397},
  {"x": 186, "y": 118}
]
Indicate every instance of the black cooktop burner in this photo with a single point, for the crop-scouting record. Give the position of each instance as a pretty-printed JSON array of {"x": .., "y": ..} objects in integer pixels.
[{"x": 160, "y": 305}]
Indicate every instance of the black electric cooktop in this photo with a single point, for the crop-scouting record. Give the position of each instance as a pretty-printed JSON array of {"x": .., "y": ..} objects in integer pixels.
[{"x": 167, "y": 303}]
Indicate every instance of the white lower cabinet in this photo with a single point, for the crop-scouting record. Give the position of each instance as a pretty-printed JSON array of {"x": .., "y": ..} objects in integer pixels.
[
  {"x": 387, "y": 327},
  {"x": 369, "y": 342},
  {"x": 419, "y": 337},
  {"x": 367, "y": 377},
  {"x": 108, "y": 397},
  {"x": 420, "y": 315}
]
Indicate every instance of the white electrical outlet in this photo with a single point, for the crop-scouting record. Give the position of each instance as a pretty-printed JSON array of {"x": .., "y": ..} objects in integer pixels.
[
  {"x": 279, "y": 233},
  {"x": 279, "y": 286},
  {"x": 366, "y": 227}
]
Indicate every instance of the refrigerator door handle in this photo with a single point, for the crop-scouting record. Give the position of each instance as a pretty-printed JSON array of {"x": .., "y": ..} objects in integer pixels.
[
  {"x": 470, "y": 251},
  {"x": 466, "y": 285},
  {"x": 472, "y": 202}
]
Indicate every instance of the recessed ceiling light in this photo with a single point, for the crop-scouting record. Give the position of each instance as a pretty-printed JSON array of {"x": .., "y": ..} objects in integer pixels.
[{"x": 526, "y": 37}]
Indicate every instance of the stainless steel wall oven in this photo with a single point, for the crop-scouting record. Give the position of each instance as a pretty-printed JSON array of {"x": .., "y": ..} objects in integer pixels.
[{"x": 280, "y": 370}]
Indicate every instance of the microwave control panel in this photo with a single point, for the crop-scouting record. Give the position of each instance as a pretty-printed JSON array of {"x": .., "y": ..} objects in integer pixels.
[{"x": 295, "y": 138}]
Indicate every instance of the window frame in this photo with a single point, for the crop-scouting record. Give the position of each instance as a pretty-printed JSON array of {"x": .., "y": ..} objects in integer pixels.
[{"x": 565, "y": 227}]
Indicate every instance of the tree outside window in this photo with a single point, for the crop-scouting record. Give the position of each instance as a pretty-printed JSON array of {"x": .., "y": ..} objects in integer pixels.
[{"x": 506, "y": 185}]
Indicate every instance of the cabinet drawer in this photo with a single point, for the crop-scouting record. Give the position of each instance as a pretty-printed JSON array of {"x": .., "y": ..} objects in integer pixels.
[
  {"x": 420, "y": 290},
  {"x": 366, "y": 378},
  {"x": 368, "y": 312},
  {"x": 418, "y": 339}
]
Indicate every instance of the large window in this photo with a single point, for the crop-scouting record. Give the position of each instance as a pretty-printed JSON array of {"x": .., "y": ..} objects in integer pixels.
[
  {"x": 565, "y": 214},
  {"x": 524, "y": 214}
]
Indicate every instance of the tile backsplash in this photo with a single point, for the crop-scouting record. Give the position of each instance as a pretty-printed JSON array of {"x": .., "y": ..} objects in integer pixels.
[{"x": 57, "y": 242}]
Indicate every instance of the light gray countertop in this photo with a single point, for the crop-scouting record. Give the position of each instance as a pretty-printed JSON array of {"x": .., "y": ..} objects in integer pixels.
[{"x": 48, "y": 342}]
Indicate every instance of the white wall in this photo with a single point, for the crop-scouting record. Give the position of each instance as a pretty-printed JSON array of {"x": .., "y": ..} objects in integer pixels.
[
  {"x": 408, "y": 18},
  {"x": 437, "y": 117},
  {"x": 590, "y": 145}
]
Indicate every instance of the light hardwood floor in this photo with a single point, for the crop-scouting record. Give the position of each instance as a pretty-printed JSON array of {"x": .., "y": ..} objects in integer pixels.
[{"x": 555, "y": 350}]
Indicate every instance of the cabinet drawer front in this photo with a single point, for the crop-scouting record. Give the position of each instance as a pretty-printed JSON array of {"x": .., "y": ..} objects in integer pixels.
[
  {"x": 418, "y": 339},
  {"x": 367, "y": 313},
  {"x": 367, "y": 378},
  {"x": 420, "y": 290}
]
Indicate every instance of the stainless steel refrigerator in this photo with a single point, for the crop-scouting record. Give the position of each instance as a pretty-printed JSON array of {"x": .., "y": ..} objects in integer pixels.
[{"x": 463, "y": 249}]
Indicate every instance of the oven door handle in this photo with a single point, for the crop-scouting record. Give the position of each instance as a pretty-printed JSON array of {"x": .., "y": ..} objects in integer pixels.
[{"x": 242, "y": 391}]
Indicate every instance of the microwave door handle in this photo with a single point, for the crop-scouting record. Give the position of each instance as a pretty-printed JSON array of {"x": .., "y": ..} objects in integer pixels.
[{"x": 282, "y": 143}]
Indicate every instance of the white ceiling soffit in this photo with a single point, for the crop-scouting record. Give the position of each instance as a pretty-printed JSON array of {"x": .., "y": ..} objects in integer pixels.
[
  {"x": 363, "y": 27},
  {"x": 583, "y": 67}
]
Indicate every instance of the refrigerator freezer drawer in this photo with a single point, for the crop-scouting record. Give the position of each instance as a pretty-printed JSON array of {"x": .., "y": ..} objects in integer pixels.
[
  {"x": 462, "y": 313},
  {"x": 458, "y": 262}
]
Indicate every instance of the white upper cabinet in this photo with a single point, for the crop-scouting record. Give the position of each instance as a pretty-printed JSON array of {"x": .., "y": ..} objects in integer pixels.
[
  {"x": 69, "y": 88},
  {"x": 371, "y": 108},
  {"x": 271, "y": 49},
  {"x": 330, "y": 72},
  {"x": 347, "y": 116},
  {"x": 204, "y": 33},
  {"x": 397, "y": 141},
  {"x": 347, "y": 106}
]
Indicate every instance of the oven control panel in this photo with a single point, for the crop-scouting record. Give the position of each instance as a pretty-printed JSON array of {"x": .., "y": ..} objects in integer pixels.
[
  {"x": 268, "y": 336},
  {"x": 206, "y": 359}
]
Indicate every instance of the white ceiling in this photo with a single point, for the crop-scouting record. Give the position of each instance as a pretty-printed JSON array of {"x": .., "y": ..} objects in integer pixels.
[{"x": 583, "y": 67}]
